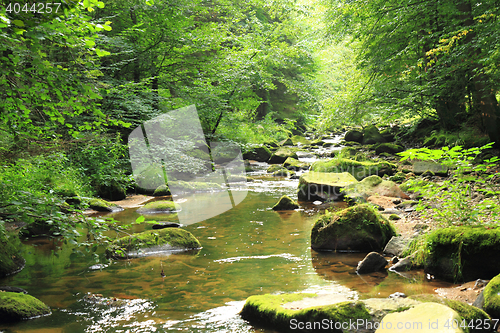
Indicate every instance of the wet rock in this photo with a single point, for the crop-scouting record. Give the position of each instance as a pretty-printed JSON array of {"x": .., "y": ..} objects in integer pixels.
[
  {"x": 13, "y": 289},
  {"x": 404, "y": 264},
  {"x": 491, "y": 295},
  {"x": 358, "y": 228},
  {"x": 161, "y": 191},
  {"x": 112, "y": 191},
  {"x": 282, "y": 154},
  {"x": 354, "y": 135},
  {"x": 152, "y": 242},
  {"x": 388, "y": 148},
  {"x": 297, "y": 139},
  {"x": 104, "y": 206},
  {"x": 286, "y": 203},
  {"x": 294, "y": 164},
  {"x": 163, "y": 225},
  {"x": 283, "y": 172},
  {"x": 258, "y": 153},
  {"x": 396, "y": 245},
  {"x": 374, "y": 185},
  {"x": 394, "y": 217},
  {"x": 359, "y": 170},
  {"x": 419, "y": 167},
  {"x": 479, "y": 302},
  {"x": 286, "y": 142},
  {"x": 398, "y": 295},
  {"x": 371, "y": 135},
  {"x": 323, "y": 186},
  {"x": 162, "y": 206},
  {"x": 373, "y": 262},
  {"x": 18, "y": 306}
]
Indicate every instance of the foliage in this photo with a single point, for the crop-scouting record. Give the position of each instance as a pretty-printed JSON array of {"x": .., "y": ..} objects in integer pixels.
[{"x": 453, "y": 198}]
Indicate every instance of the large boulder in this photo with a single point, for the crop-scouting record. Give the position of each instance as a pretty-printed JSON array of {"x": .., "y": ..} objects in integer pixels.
[
  {"x": 104, "y": 206},
  {"x": 374, "y": 185},
  {"x": 358, "y": 228},
  {"x": 151, "y": 242},
  {"x": 162, "y": 207},
  {"x": 491, "y": 295},
  {"x": 373, "y": 262},
  {"x": 299, "y": 140},
  {"x": 286, "y": 142},
  {"x": 425, "y": 318},
  {"x": 354, "y": 136},
  {"x": 286, "y": 203},
  {"x": 258, "y": 153},
  {"x": 371, "y": 135},
  {"x": 323, "y": 185},
  {"x": 19, "y": 306},
  {"x": 389, "y": 148},
  {"x": 161, "y": 191},
  {"x": 358, "y": 169},
  {"x": 112, "y": 191},
  {"x": 10, "y": 260},
  {"x": 294, "y": 164},
  {"x": 462, "y": 253},
  {"x": 282, "y": 154}
]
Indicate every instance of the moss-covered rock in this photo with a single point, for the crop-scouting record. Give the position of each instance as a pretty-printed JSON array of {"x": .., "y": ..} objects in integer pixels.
[
  {"x": 274, "y": 167},
  {"x": 354, "y": 135},
  {"x": 358, "y": 169},
  {"x": 10, "y": 260},
  {"x": 371, "y": 135},
  {"x": 162, "y": 190},
  {"x": 398, "y": 177},
  {"x": 283, "y": 172},
  {"x": 294, "y": 164},
  {"x": 286, "y": 142},
  {"x": 19, "y": 306},
  {"x": 282, "y": 154},
  {"x": 389, "y": 148},
  {"x": 103, "y": 206},
  {"x": 169, "y": 239},
  {"x": 268, "y": 310},
  {"x": 317, "y": 143},
  {"x": 286, "y": 203},
  {"x": 162, "y": 206},
  {"x": 374, "y": 185},
  {"x": 323, "y": 185},
  {"x": 297, "y": 139},
  {"x": 462, "y": 253},
  {"x": 358, "y": 228},
  {"x": 387, "y": 134},
  {"x": 258, "y": 153},
  {"x": 112, "y": 191},
  {"x": 149, "y": 179},
  {"x": 491, "y": 296}
]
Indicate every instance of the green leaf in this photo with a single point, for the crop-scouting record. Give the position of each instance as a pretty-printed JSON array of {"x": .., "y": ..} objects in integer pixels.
[
  {"x": 140, "y": 219},
  {"x": 19, "y": 23},
  {"x": 102, "y": 53}
]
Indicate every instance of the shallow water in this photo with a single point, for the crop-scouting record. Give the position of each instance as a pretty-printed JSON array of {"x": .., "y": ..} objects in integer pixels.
[{"x": 247, "y": 250}]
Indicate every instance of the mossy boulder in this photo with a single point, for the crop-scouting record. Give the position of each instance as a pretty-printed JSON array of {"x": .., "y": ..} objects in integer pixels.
[
  {"x": 294, "y": 164},
  {"x": 268, "y": 311},
  {"x": 112, "y": 191},
  {"x": 162, "y": 190},
  {"x": 19, "y": 306},
  {"x": 491, "y": 294},
  {"x": 371, "y": 135},
  {"x": 374, "y": 185},
  {"x": 299, "y": 140},
  {"x": 358, "y": 169},
  {"x": 286, "y": 142},
  {"x": 283, "y": 172},
  {"x": 274, "y": 167},
  {"x": 323, "y": 185},
  {"x": 103, "y": 206},
  {"x": 282, "y": 154},
  {"x": 358, "y": 228},
  {"x": 398, "y": 177},
  {"x": 316, "y": 143},
  {"x": 148, "y": 180},
  {"x": 354, "y": 135},
  {"x": 152, "y": 241},
  {"x": 258, "y": 153},
  {"x": 387, "y": 134},
  {"x": 10, "y": 260},
  {"x": 286, "y": 203},
  {"x": 389, "y": 148},
  {"x": 462, "y": 253},
  {"x": 162, "y": 206}
]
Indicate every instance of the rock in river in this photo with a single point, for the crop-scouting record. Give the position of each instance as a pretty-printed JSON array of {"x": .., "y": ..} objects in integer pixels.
[
  {"x": 19, "y": 306},
  {"x": 286, "y": 203},
  {"x": 323, "y": 185},
  {"x": 373, "y": 262}
]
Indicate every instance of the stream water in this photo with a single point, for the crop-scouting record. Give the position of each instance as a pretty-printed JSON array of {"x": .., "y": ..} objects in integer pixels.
[{"x": 247, "y": 250}]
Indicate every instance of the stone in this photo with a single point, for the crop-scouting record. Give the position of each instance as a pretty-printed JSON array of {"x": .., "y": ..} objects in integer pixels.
[
  {"x": 163, "y": 225},
  {"x": 323, "y": 185},
  {"x": 282, "y": 154},
  {"x": 420, "y": 167},
  {"x": 404, "y": 264},
  {"x": 151, "y": 242},
  {"x": 162, "y": 190},
  {"x": 388, "y": 148},
  {"x": 373, "y": 262},
  {"x": 258, "y": 153},
  {"x": 294, "y": 164},
  {"x": 162, "y": 206},
  {"x": 479, "y": 302},
  {"x": 358, "y": 169},
  {"x": 371, "y": 135},
  {"x": 13, "y": 289},
  {"x": 286, "y": 203},
  {"x": 286, "y": 142},
  {"x": 374, "y": 185},
  {"x": 354, "y": 135},
  {"x": 103, "y": 206},
  {"x": 396, "y": 245},
  {"x": 491, "y": 295},
  {"x": 297, "y": 139},
  {"x": 422, "y": 318},
  {"x": 112, "y": 191},
  {"x": 19, "y": 306},
  {"x": 357, "y": 228}
]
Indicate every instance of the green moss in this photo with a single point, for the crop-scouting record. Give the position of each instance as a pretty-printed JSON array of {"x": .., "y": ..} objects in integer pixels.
[
  {"x": 162, "y": 206},
  {"x": 274, "y": 167},
  {"x": 286, "y": 203},
  {"x": 356, "y": 228},
  {"x": 175, "y": 237},
  {"x": 282, "y": 154},
  {"x": 388, "y": 148},
  {"x": 371, "y": 135},
  {"x": 162, "y": 190},
  {"x": 394, "y": 217},
  {"x": 491, "y": 295},
  {"x": 294, "y": 164},
  {"x": 102, "y": 205},
  {"x": 324, "y": 184},
  {"x": 258, "y": 153},
  {"x": 19, "y": 306},
  {"x": 296, "y": 139},
  {"x": 358, "y": 169},
  {"x": 267, "y": 310},
  {"x": 398, "y": 178},
  {"x": 10, "y": 260}
]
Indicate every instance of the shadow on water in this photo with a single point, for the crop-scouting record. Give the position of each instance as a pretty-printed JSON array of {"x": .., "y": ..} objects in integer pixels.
[{"x": 246, "y": 251}]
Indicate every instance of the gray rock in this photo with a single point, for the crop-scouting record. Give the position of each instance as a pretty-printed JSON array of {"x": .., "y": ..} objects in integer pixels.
[
  {"x": 13, "y": 289},
  {"x": 479, "y": 302},
  {"x": 373, "y": 262},
  {"x": 404, "y": 264},
  {"x": 396, "y": 245}
]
